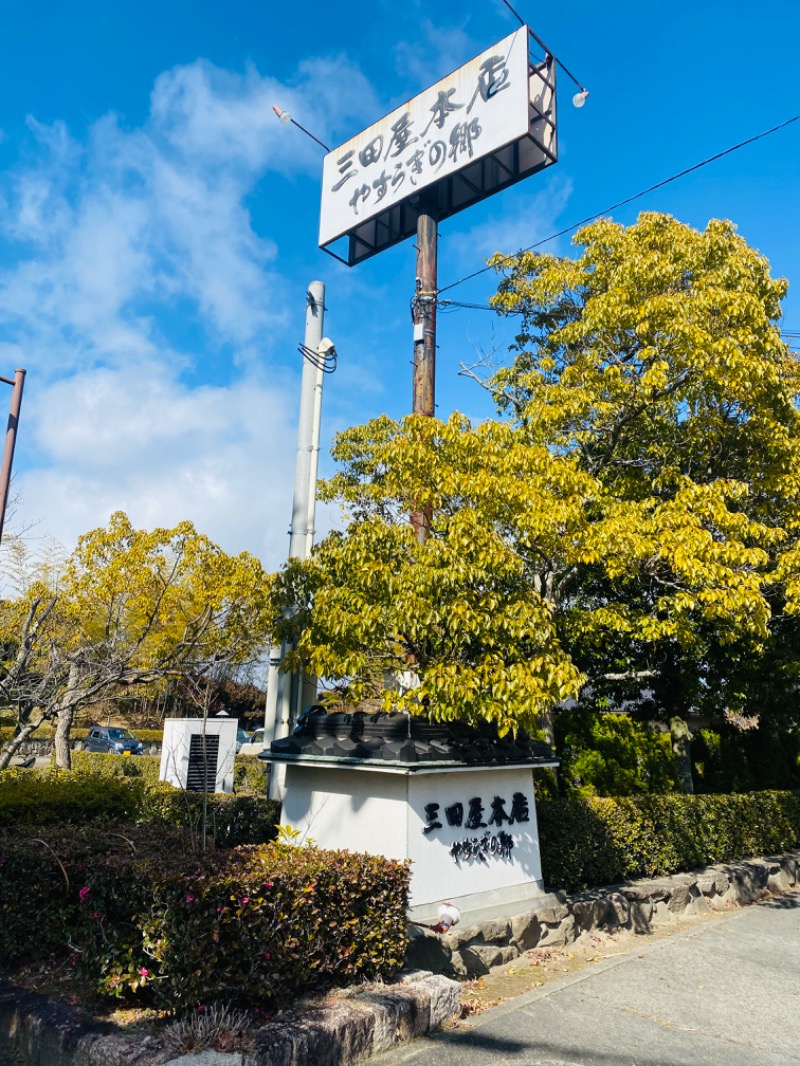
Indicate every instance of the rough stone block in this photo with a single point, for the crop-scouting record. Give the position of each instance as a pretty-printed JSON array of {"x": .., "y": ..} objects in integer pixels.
[
  {"x": 557, "y": 936},
  {"x": 552, "y": 915},
  {"x": 458, "y": 966},
  {"x": 445, "y": 999},
  {"x": 682, "y": 898},
  {"x": 426, "y": 951},
  {"x": 779, "y": 881},
  {"x": 662, "y": 915},
  {"x": 789, "y": 867},
  {"x": 526, "y": 931},
  {"x": 618, "y": 910},
  {"x": 713, "y": 882},
  {"x": 495, "y": 932},
  {"x": 641, "y": 915},
  {"x": 458, "y": 938},
  {"x": 590, "y": 912},
  {"x": 481, "y": 958}
]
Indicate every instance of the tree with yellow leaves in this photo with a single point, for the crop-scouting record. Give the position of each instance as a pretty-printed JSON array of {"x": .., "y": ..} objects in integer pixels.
[
  {"x": 129, "y": 608},
  {"x": 637, "y": 500}
]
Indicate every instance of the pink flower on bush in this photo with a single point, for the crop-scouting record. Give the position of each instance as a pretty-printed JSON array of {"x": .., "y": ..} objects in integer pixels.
[
  {"x": 189, "y": 898},
  {"x": 245, "y": 899},
  {"x": 97, "y": 915},
  {"x": 144, "y": 973},
  {"x": 84, "y": 892},
  {"x": 267, "y": 955},
  {"x": 267, "y": 884}
]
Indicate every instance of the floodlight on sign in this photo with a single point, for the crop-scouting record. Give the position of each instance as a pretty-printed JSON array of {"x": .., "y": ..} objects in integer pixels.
[{"x": 483, "y": 128}]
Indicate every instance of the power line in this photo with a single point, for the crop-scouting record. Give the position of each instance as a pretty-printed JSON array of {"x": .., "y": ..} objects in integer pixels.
[
  {"x": 459, "y": 305},
  {"x": 628, "y": 200}
]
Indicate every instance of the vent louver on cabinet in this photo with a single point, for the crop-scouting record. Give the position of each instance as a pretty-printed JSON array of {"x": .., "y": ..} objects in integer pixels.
[{"x": 194, "y": 777}]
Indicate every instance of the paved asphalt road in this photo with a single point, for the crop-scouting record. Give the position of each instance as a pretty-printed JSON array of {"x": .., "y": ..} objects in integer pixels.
[{"x": 724, "y": 993}]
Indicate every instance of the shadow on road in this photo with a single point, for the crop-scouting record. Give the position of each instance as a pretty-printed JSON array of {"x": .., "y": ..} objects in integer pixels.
[
  {"x": 782, "y": 903},
  {"x": 538, "y": 1053}
]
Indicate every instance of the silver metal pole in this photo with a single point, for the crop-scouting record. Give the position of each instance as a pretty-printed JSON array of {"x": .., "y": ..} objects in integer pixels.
[
  {"x": 289, "y": 690},
  {"x": 315, "y": 314}
]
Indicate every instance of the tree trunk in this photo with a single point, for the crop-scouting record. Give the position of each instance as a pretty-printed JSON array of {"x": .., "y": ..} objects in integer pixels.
[
  {"x": 547, "y": 727},
  {"x": 682, "y": 750},
  {"x": 66, "y": 716},
  {"x": 11, "y": 747}
]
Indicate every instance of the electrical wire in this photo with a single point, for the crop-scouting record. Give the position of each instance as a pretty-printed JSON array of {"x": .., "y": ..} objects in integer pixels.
[
  {"x": 628, "y": 200},
  {"x": 459, "y": 305},
  {"x": 543, "y": 46},
  {"x": 327, "y": 363}
]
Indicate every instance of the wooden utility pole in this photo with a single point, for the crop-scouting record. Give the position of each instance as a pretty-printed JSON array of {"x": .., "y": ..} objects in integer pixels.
[{"x": 425, "y": 339}]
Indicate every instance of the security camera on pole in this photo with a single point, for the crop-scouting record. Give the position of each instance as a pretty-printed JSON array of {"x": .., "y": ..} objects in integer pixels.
[{"x": 288, "y": 694}]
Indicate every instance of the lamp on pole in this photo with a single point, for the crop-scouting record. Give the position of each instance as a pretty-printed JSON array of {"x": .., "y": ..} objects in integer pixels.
[{"x": 18, "y": 384}]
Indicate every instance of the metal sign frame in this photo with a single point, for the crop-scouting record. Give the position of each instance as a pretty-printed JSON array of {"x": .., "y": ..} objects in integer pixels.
[{"x": 519, "y": 138}]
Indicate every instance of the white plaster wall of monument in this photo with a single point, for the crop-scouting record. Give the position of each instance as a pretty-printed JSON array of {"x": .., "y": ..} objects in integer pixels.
[
  {"x": 384, "y": 813},
  {"x": 356, "y": 810},
  {"x": 176, "y": 743},
  {"x": 436, "y": 876}
]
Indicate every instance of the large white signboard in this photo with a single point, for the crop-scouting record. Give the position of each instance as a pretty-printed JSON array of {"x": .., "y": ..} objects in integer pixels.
[{"x": 489, "y": 104}]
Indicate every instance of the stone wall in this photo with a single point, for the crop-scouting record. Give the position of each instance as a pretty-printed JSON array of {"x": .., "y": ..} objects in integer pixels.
[{"x": 639, "y": 906}]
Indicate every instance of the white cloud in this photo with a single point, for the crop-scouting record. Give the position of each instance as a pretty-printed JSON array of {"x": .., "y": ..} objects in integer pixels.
[
  {"x": 138, "y": 440},
  {"x": 128, "y": 261},
  {"x": 435, "y": 48}
]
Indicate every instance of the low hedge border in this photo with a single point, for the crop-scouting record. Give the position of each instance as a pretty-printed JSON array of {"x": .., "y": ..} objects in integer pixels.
[
  {"x": 56, "y": 797},
  {"x": 151, "y": 921},
  {"x": 601, "y": 840},
  {"x": 249, "y": 774}
]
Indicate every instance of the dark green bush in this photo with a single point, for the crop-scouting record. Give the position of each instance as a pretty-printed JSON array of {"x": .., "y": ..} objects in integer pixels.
[
  {"x": 589, "y": 841},
  {"x": 55, "y": 797},
  {"x": 250, "y": 775},
  {"x": 231, "y": 819},
  {"x": 43, "y": 871},
  {"x": 612, "y": 755},
  {"x": 35, "y": 798},
  {"x": 151, "y": 920}
]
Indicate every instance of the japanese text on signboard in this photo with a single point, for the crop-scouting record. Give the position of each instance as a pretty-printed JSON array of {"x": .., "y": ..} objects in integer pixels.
[
  {"x": 480, "y": 107},
  {"x": 476, "y": 816}
]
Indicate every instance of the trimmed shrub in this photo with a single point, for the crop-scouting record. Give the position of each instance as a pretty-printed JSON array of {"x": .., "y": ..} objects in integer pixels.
[
  {"x": 35, "y": 798},
  {"x": 612, "y": 755},
  {"x": 145, "y": 767},
  {"x": 250, "y": 775},
  {"x": 42, "y": 874},
  {"x": 590, "y": 841},
  {"x": 151, "y": 920},
  {"x": 56, "y": 797},
  {"x": 231, "y": 819}
]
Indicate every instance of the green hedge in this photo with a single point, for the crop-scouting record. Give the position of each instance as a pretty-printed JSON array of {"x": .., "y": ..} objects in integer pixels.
[
  {"x": 603, "y": 840},
  {"x": 55, "y": 797},
  {"x": 153, "y": 922},
  {"x": 46, "y": 731},
  {"x": 35, "y": 798},
  {"x": 145, "y": 767},
  {"x": 249, "y": 774}
]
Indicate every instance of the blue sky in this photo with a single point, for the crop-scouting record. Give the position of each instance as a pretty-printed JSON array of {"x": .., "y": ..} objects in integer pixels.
[{"x": 158, "y": 225}]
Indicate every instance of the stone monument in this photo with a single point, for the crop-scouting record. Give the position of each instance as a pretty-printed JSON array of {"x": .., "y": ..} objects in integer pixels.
[{"x": 456, "y": 801}]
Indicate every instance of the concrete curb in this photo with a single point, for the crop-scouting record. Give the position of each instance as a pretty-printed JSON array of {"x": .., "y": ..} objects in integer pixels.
[{"x": 365, "y": 1023}]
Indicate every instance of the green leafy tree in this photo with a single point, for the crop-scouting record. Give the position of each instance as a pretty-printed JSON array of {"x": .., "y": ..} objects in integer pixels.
[
  {"x": 130, "y": 608},
  {"x": 629, "y": 519}
]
